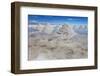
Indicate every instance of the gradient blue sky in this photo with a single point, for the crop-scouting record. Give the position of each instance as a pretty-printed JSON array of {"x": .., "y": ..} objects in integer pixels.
[{"x": 57, "y": 19}]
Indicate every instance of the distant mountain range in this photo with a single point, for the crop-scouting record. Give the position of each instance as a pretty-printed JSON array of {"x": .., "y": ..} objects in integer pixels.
[{"x": 63, "y": 29}]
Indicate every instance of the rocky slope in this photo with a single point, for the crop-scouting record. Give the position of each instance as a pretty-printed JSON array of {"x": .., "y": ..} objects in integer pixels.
[{"x": 48, "y": 42}]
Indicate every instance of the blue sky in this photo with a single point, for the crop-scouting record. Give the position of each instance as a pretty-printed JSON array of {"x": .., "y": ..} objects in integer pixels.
[{"x": 57, "y": 19}]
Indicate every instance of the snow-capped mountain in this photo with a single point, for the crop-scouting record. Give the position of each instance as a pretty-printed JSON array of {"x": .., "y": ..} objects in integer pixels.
[{"x": 64, "y": 29}]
